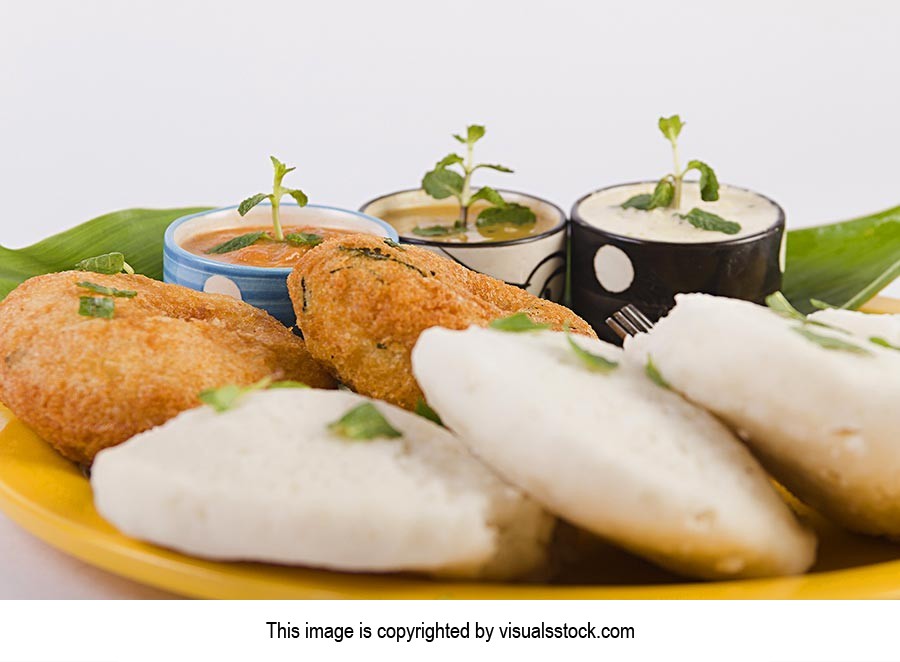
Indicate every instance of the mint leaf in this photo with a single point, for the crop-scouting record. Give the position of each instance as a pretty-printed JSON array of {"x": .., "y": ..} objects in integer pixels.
[
  {"x": 640, "y": 201},
  {"x": 449, "y": 160},
  {"x": 474, "y": 133},
  {"x": 102, "y": 307},
  {"x": 108, "y": 263},
  {"x": 425, "y": 411},
  {"x": 654, "y": 374},
  {"x": 593, "y": 362},
  {"x": 250, "y": 203},
  {"x": 303, "y": 238},
  {"x": 299, "y": 196},
  {"x": 107, "y": 291},
  {"x": 670, "y": 127},
  {"x": 517, "y": 323},
  {"x": 439, "y": 230},
  {"x": 512, "y": 214},
  {"x": 237, "y": 243},
  {"x": 441, "y": 183},
  {"x": 362, "y": 423},
  {"x": 493, "y": 166},
  {"x": 829, "y": 342},
  {"x": 280, "y": 169},
  {"x": 489, "y": 194},
  {"x": 708, "y": 221},
  {"x": 709, "y": 184},
  {"x": 663, "y": 194}
]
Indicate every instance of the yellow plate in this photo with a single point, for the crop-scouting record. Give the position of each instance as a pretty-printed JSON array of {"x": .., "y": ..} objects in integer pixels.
[{"x": 50, "y": 497}]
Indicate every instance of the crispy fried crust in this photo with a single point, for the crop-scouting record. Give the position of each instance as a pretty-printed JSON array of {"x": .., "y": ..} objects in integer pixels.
[
  {"x": 361, "y": 304},
  {"x": 85, "y": 383}
]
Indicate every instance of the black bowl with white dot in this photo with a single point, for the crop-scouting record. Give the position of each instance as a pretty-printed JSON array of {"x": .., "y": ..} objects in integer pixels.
[{"x": 610, "y": 270}]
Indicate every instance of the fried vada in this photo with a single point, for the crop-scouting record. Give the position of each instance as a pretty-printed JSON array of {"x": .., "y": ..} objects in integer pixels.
[
  {"x": 85, "y": 383},
  {"x": 362, "y": 301}
]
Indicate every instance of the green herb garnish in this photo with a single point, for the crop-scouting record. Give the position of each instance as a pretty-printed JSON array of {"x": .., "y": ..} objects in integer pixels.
[
  {"x": 778, "y": 303},
  {"x": 393, "y": 244},
  {"x": 829, "y": 342},
  {"x": 278, "y": 191},
  {"x": 364, "y": 422},
  {"x": 654, "y": 374},
  {"x": 225, "y": 397},
  {"x": 236, "y": 243},
  {"x": 517, "y": 323},
  {"x": 712, "y": 222},
  {"x": 882, "y": 342},
  {"x": 821, "y": 305},
  {"x": 593, "y": 362},
  {"x": 107, "y": 291},
  {"x": 102, "y": 307},
  {"x": 667, "y": 193},
  {"x": 443, "y": 182},
  {"x": 108, "y": 263},
  {"x": 425, "y": 411},
  {"x": 304, "y": 239}
]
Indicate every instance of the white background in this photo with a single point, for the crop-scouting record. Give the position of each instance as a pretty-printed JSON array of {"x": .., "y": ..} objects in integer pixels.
[{"x": 106, "y": 105}]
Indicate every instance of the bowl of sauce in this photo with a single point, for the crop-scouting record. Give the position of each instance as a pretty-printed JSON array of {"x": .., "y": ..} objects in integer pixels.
[
  {"x": 623, "y": 255},
  {"x": 531, "y": 255},
  {"x": 256, "y": 272}
]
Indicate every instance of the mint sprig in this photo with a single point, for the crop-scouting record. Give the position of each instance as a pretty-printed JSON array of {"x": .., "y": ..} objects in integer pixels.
[
  {"x": 236, "y": 243},
  {"x": 443, "y": 182},
  {"x": 278, "y": 192},
  {"x": 667, "y": 193}
]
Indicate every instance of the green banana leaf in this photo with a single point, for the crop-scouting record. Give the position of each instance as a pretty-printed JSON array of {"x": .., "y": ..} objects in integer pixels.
[
  {"x": 844, "y": 264},
  {"x": 138, "y": 233}
]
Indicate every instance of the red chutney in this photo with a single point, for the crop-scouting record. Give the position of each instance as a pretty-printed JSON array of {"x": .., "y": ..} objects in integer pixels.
[{"x": 266, "y": 252}]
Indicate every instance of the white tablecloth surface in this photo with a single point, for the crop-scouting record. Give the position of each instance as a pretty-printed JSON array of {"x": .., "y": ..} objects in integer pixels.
[{"x": 30, "y": 568}]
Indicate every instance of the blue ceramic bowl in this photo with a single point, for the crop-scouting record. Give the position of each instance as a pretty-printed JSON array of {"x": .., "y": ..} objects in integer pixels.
[{"x": 262, "y": 287}]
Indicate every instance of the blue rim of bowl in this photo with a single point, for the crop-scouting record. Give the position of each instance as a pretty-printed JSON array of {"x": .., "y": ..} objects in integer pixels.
[
  {"x": 556, "y": 229},
  {"x": 169, "y": 243},
  {"x": 579, "y": 220}
]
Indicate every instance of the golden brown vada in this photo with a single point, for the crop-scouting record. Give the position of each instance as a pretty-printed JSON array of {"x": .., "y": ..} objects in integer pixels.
[
  {"x": 362, "y": 301},
  {"x": 85, "y": 383}
]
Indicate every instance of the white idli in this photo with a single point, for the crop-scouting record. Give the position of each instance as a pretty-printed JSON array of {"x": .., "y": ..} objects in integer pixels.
[
  {"x": 864, "y": 325},
  {"x": 824, "y": 421},
  {"x": 613, "y": 453},
  {"x": 268, "y": 481}
]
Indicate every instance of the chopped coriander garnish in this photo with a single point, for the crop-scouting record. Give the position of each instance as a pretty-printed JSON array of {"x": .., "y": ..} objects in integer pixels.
[
  {"x": 393, "y": 244},
  {"x": 236, "y": 243},
  {"x": 593, "y": 362},
  {"x": 830, "y": 342},
  {"x": 877, "y": 340},
  {"x": 364, "y": 422},
  {"x": 108, "y": 291},
  {"x": 278, "y": 191},
  {"x": 108, "y": 263},
  {"x": 654, "y": 374},
  {"x": 667, "y": 193},
  {"x": 442, "y": 182},
  {"x": 304, "y": 238},
  {"x": 779, "y": 303},
  {"x": 225, "y": 397},
  {"x": 821, "y": 305},
  {"x": 517, "y": 323},
  {"x": 102, "y": 307},
  {"x": 425, "y": 411}
]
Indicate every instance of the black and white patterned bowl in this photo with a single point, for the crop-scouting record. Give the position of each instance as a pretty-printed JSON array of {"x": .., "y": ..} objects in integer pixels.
[
  {"x": 536, "y": 264},
  {"x": 611, "y": 270}
]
